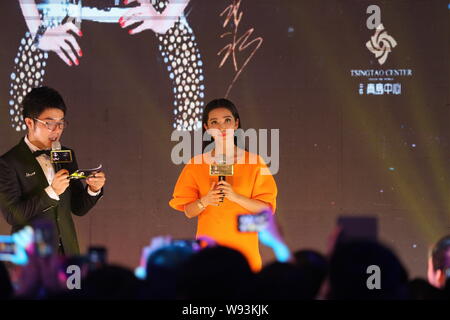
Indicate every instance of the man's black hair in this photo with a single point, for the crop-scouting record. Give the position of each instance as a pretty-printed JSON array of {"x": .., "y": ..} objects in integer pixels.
[{"x": 39, "y": 99}]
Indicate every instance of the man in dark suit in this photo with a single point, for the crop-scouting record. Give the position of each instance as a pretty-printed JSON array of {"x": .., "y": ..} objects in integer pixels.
[{"x": 30, "y": 189}]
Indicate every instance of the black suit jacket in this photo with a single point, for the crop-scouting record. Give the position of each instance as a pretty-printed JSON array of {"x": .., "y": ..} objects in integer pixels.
[{"x": 23, "y": 199}]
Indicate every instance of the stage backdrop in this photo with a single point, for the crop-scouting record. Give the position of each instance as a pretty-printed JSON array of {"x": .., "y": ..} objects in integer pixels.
[{"x": 359, "y": 93}]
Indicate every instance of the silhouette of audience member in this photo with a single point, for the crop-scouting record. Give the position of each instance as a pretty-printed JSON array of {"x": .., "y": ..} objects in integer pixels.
[
  {"x": 215, "y": 273},
  {"x": 112, "y": 283},
  {"x": 162, "y": 271},
  {"x": 420, "y": 289},
  {"x": 6, "y": 288},
  {"x": 314, "y": 266},
  {"x": 282, "y": 281},
  {"x": 349, "y": 276}
]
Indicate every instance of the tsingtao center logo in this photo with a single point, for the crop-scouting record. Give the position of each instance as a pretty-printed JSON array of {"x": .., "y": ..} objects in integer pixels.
[{"x": 381, "y": 44}]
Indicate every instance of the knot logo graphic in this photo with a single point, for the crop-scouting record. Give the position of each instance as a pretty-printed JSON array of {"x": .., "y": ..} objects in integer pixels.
[{"x": 381, "y": 44}]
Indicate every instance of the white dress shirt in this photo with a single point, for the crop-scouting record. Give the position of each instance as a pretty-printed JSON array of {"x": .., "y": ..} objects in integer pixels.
[{"x": 49, "y": 171}]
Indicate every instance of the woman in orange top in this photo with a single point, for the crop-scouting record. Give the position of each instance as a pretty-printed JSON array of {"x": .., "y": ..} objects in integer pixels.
[{"x": 217, "y": 204}]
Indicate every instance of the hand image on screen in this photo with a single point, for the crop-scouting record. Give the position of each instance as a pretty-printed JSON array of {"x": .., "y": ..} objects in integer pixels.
[
  {"x": 59, "y": 40},
  {"x": 54, "y": 27},
  {"x": 151, "y": 19},
  {"x": 55, "y": 37}
]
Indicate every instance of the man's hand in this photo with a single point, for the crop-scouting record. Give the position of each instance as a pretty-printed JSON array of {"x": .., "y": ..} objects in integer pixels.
[
  {"x": 96, "y": 181},
  {"x": 61, "y": 181}
]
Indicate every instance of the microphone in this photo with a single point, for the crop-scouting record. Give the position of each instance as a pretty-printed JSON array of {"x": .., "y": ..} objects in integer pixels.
[
  {"x": 56, "y": 146},
  {"x": 58, "y": 156},
  {"x": 222, "y": 162},
  {"x": 221, "y": 169}
]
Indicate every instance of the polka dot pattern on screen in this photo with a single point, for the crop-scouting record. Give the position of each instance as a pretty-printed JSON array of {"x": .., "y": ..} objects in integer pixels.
[
  {"x": 178, "y": 48},
  {"x": 28, "y": 73},
  {"x": 184, "y": 63}
]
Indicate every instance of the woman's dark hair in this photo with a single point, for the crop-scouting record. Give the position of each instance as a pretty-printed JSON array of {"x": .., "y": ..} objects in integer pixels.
[
  {"x": 39, "y": 99},
  {"x": 215, "y": 104}
]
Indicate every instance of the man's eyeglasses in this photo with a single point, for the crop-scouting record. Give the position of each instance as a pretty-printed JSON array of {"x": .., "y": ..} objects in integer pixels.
[{"x": 52, "y": 125}]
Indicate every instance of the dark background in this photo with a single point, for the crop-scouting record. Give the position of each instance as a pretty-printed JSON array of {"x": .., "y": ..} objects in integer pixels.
[{"x": 336, "y": 147}]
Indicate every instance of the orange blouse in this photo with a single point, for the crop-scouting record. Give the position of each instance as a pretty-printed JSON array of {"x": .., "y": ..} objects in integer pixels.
[{"x": 220, "y": 222}]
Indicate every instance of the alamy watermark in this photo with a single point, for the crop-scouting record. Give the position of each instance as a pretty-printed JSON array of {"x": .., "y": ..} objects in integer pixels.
[
  {"x": 74, "y": 277},
  {"x": 374, "y": 280}
]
